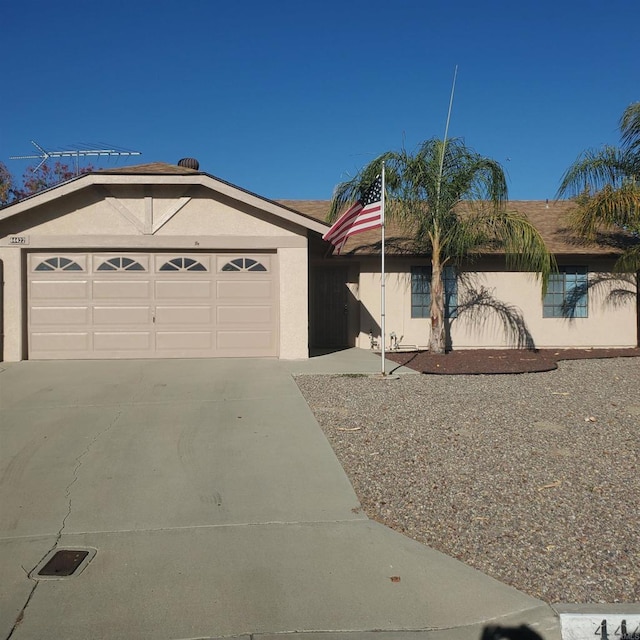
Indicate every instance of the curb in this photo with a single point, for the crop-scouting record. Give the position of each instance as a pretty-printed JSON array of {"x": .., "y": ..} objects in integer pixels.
[{"x": 606, "y": 621}]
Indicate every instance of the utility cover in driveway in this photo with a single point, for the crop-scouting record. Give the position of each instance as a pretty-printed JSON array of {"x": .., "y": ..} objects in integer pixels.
[{"x": 62, "y": 563}]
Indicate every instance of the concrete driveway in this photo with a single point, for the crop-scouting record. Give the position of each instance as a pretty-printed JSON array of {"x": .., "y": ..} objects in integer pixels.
[{"x": 216, "y": 508}]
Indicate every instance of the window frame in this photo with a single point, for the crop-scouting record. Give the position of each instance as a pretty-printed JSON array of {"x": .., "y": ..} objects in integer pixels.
[
  {"x": 421, "y": 291},
  {"x": 564, "y": 298}
]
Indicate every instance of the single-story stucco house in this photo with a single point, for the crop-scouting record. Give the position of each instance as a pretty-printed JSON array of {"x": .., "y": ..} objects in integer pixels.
[{"x": 167, "y": 261}]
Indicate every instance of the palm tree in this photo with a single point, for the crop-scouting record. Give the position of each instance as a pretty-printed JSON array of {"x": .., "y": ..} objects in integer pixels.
[
  {"x": 606, "y": 186},
  {"x": 453, "y": 203}
]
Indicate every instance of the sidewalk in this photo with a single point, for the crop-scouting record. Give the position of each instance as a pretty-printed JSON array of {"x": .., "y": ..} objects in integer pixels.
[{"x": 351, "y": 361}]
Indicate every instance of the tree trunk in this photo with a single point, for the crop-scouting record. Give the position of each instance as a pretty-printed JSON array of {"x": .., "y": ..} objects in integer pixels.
[{"x": 437, "y": 338}]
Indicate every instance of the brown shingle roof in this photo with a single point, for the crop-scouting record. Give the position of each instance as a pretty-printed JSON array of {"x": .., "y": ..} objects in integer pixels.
[
  {"x": 550, "y": 218},
  {"x": 151, "y": 168}
]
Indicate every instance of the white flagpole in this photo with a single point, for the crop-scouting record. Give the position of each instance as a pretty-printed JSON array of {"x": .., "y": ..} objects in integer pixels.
[
  {"x": 382, "y": 301},
  {"x": 444, "y": 142}
]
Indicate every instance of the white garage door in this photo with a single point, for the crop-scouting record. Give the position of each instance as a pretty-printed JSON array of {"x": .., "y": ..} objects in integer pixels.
[{"x": 152, "y": 305}]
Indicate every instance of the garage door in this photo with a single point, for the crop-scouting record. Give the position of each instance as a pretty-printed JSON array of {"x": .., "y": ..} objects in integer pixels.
[{"x": 152, "y": 305}]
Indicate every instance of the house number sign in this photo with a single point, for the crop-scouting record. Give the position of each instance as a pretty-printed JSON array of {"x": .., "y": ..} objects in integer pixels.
[
  {"x": 18, "y": 239},
  {"x": 591, "y": 627},
  {"x": 623, "y": 632}
]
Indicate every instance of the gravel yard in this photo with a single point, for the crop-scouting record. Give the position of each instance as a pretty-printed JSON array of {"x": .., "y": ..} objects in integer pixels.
[{"x": 533, "y": 479}]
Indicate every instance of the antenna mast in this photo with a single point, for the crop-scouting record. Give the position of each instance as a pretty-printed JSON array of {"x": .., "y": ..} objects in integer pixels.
[{"x": 72, "y": 153}]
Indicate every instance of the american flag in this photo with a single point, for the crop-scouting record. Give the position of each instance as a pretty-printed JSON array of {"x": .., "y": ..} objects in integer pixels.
[{"x": 365, "y": 214}]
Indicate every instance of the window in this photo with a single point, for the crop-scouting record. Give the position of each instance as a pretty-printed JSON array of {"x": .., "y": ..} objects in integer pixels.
[
  {"x": 183, "y": 264},
  {"x": 120, "y": 264},
  {"x": 567, "y": 294},
  {"x": 244, "y": 264},
  {"x": 421, "y": 292},
  {"x": 58, "y": 264}
]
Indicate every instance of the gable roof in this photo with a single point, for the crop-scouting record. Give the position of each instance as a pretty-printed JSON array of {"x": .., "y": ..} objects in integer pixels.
[
  {"x": 549, "y": 217},
  {"x": 162, "y": 173}
]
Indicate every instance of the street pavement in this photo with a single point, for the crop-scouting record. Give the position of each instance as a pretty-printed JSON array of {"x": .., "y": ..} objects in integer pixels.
[{"x": 215, "y": 507}]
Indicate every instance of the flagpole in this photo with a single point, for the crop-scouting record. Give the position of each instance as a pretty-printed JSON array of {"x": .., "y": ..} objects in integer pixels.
[
  {"x": 444, "y": 142},
  {"x": 382, "y": 287}
]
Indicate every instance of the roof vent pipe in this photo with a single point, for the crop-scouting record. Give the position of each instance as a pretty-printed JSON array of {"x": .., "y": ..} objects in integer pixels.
[{"x": 189, "y": 163}]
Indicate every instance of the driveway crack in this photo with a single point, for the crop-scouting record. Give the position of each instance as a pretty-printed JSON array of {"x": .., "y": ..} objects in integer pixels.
[
  {"x": 20, "y": 617},
  {"x": 78, "y": 464}
]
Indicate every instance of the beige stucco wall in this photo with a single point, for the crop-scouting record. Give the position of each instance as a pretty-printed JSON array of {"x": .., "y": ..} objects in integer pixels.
[
  {"x": 209, "y": 217},
  {"x": 611, "y": 320},
  {"x": 12, "y": 292},
  {"x": 75, "y": 214},
  {"x": 294, "y": 332},
  {"x": 128, "y": 211}
]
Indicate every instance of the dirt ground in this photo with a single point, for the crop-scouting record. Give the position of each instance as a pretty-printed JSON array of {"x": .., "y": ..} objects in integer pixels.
[{"x": 496, "y": 361}]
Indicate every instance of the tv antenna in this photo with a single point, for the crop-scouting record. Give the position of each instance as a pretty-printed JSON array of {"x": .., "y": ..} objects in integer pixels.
[{"x": 44, "y": 155}]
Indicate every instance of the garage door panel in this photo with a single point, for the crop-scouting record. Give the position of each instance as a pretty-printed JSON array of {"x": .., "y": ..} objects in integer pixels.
[
  {"x": 122, "y": 341},
  {"x": 59, "y": 290},
  {"x": 183, "y": 290},
  {"x": 121, "y": 289},
  {"x": 71, "y": 342},
  {"x": 189, "y": 315},
  {"x": 184, "y": 340},
  {"x": 122, "y": 315},
  {"x": 60, "y": 316},
  {"x": 246, "y": 314},
  {"x": 244, "y": 290},
  {"x": 244, "y": 340},
  {"x": 170, "y": 305}
]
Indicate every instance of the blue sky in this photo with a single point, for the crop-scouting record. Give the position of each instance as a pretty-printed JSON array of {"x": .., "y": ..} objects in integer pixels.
[{"x": 286, "y": 98}]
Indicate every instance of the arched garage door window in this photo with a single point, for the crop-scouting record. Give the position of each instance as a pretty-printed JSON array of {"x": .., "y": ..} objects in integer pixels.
[
  {"x": 244, "y": 264},
  {"x": 58, "y": 264},
  {"x": 120, "y": 264},
  {"x": 183, "y": 264}
]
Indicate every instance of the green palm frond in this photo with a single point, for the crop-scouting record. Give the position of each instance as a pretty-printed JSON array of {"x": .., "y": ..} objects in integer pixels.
[
  {"x": 466, "y": 175},
  {"x": 430, "y": 205},
  {"x": 348, "y": 192},
  {"x": 609, "y": 208},
  {"x": 595, "y": 169},
  {"x": 629, "y": 261},
  {"x": 630, "y": 126},
  {"x": 512, "y": 233},
  {"x": 606, "y": 186}
]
